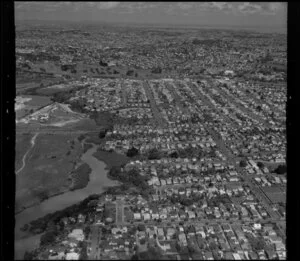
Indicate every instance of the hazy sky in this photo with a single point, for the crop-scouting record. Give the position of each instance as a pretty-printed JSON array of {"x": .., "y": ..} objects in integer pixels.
[{"x": 257, "y": 14}]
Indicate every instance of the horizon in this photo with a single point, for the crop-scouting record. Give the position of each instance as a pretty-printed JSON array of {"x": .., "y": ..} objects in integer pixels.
[{"x": 260, "y": 16}]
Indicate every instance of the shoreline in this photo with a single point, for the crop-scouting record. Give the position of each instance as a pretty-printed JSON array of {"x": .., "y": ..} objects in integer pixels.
[
  {"x": 41, "y": 201},
  {"x": 70, "y": 188},
  {"x": 26, "y": 232}
]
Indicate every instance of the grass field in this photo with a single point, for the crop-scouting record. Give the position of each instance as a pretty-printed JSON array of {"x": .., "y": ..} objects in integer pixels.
[
  {"x": 22, "y": 145},
  {"x": 47, "y": 169}
]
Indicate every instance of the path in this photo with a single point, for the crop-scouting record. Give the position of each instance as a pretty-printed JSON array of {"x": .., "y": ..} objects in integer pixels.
[{"x": 24, "y": 157}]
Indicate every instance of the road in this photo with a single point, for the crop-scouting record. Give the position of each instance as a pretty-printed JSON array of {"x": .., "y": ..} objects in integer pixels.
[
  {"x": 95, "y": 236},
  {"x": 124, "y": 95},
  {"x": 195, "y": 88},
  {"x": 119, "y": 212},
  {"x": 25, "y": 155},
  {"x": 179, "y": 99},
  {"x": 233, "y": 160},
  {"x": 156, "y": 113},
  {"x": 165, "y": 223}
]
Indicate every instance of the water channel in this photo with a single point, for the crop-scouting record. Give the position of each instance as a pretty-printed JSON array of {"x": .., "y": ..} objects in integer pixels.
[{"x": 97, "y": 184}]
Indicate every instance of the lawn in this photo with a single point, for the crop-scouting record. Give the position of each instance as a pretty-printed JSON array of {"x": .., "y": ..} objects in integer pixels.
[{"x": 47, "y": 169}]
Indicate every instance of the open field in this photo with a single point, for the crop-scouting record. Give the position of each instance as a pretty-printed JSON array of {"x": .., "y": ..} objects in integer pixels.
[
  {"x": 47, "y": 168},
  {"x": 22, "y": 145}
]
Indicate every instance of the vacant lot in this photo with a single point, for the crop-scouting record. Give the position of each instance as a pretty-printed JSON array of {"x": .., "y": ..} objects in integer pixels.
[
  {"x": 47, "y": 169},
  {"x": 31, "y": 106},
  {"x": 22, "y": 145}
]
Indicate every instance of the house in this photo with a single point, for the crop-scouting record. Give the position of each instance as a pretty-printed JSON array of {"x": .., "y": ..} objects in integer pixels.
[
  {"x": 191, "y": 214},
  {"x": 236, "y": 256},
  {"x": 77, "y": 234},
  {"x": 57, "y": 256},
  {"x": 182, "y": 239},
  {"x": 275, "y": 239},
  {"x": 170, "y": 232},
  {"x": 182, "y": 214},
  {"x": 208, "y": 255},
  {"x": 229, "y": 256},
  {"x": 253, "y": 255},
  {"x": 160, "y": 233},
  {"x": 72, "y": 256},
  {"x": 137, "y": 216},
  {"x": 146, "y": 216}
]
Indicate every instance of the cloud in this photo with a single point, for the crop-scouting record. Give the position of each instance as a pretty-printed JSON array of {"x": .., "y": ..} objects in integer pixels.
[
  {"x": 171, "y": 8},
  {"x": 185, "y": 6},
  {"x": 107, "y": 5},
  {"x": 249, "y": 8},
  {"x": 220, "y": 5},
  {"x": 275, "y": 6}
]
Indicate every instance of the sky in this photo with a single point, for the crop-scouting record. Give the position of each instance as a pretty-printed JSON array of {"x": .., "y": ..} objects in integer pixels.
[{"x": 227, "y": 14}]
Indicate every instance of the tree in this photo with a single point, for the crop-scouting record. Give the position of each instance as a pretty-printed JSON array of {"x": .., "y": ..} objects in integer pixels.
[
  {"x": 87, "y": 230},
  {"x": 213, "y": 246},
  {"x": 260, "y": 164},
  {"x": 281, "y": 169},
  {"x": 28, "y": 256},
  {"x": 135, "y": 257},
  {"x": 243, "y": 163},
  {"x": 156, "y": 70},
  {"x": 154, "y": 154},
  {"x": 102, "y": 134},
  {"x": 174, "y": 154},
  {"x": 257, "y": 244},
  {"x": 151, "y": 254},
  {"x": 48, "y": 238},
  {"x": 132, "y": 152},
  {"x": 83, "y": 252},
  {"x": 130, "y": 73},
  {"x": 104, "y": 64},
  {"x": 141, "y": 227}
]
